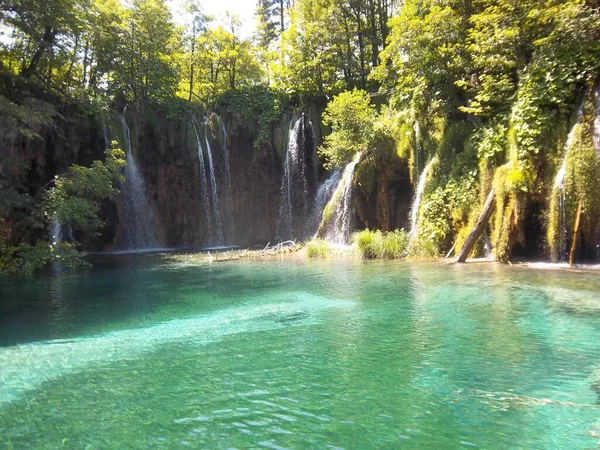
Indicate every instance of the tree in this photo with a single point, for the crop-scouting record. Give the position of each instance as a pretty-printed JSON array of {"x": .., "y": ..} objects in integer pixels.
[{"x": 352, "y": 118}]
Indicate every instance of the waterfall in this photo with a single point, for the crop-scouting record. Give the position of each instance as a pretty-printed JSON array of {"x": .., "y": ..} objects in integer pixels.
[
  {"x": 203, "y": 182},
  {"x": 559, "y": 188},
  {"x": 218, "y": 229},
  {"x": 56, "y": 238},
  {"x": 56, "y": 232},
  {"x": 487, "y": 246},
  {"x": 225, "y": 154},
  {"x": 141, "y": 225},
  {"x": 106, "y": 136},
  {"x": 414, "y": 210},
  {"x": 324, "y": 195},
  {"x": 596, "y": 132},
  {"x": 417, "y": 130},
  {"x": 339, "y": 223},
  {"x": 293, "y": 208}
]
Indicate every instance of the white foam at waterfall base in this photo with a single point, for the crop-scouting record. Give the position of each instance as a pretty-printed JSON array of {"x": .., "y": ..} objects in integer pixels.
[
  {"x": 414, "y": 211},
  {"x": 25, "y": 367}
]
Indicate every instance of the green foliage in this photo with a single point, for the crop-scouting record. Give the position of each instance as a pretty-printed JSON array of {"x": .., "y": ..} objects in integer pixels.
[
  {"x": 582, "y": 172},
  {"x": 26, "y": 259},
  {"x": 259, "y": 103},
  {"x": 444, "y": 210},
  {"x": 74, "y": 199},
  {"x": 378, "y": 244},
  {"x": 352, "y": 118},
  {"x": 425, "y": 56}
]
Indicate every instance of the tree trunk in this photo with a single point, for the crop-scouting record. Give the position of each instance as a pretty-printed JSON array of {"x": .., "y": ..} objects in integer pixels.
[
  {"x": 85, "y": 64},
  {"x": 281, "y": 14},
  {"x": 46, "y": 43},
  {"x": 480, "y": 225},
  {"x": 374, "y": 35}
]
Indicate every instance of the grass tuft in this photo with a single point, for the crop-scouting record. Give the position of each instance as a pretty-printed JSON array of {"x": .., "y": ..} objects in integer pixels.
[
  {"x": 318, "y": 248},
  {"x": 377, "y": 244}
]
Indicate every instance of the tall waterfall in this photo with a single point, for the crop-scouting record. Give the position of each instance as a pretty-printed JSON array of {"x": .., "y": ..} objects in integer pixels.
[
  {"x": 559, "y": 189},
  {"x": 225, "y": 154},
  {"x": 203, "y": 182},
  {"x": 337, "y": 221},
  {"x": 294, "y": 204},
  {"x": 324, "y": 195},
  {"x": 141, "y": 231},
  {"x": 414, "y": 210},
  {"x": 596, "y": 132},
  {"x": 218, "y": 226}
]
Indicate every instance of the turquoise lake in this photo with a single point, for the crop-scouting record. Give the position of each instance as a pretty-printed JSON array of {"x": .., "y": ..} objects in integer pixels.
[{"x": 141, "y": 352}]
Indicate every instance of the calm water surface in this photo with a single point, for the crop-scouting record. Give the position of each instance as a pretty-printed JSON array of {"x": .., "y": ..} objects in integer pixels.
[{"x": 144, "y": 353}]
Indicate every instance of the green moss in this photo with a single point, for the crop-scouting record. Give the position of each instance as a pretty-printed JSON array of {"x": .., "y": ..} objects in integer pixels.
[{"x": 581, "y": 184}]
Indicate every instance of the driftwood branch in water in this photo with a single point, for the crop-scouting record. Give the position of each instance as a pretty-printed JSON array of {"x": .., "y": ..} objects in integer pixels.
[
  {"x": 480, "y": 225},
  {"x": 575, "y": 234}
]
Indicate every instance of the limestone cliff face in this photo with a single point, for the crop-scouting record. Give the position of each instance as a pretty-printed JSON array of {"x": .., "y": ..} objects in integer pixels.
[
  {"x": 167, "y": 154},
  {"x": 384, "y": 196},
  {"x": 165, "y": 149}
]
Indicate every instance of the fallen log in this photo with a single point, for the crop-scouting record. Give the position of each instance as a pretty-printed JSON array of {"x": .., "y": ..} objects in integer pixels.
[{"x": 484, "y": 217}]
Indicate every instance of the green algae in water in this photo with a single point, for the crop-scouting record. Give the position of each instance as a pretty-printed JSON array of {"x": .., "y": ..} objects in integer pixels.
[{"x": 296, "y": 354}]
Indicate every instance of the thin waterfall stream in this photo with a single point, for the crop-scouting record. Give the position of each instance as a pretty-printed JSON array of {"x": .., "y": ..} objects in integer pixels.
[
  {"x": 218, "y": 226},
  {"x": 295, "y": 203},
  {"x": 414, "y": 211},
  {"x": 205, "y": 203},
  {"x": 559, "y": 189},
  {"x": 225, "y": 154},
  {"x": 141, "y": 231}
]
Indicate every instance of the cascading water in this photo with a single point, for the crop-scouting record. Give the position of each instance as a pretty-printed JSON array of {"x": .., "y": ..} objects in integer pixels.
[
  {"x": 596, "y": 132},
  {"x": 141, "y": 230},
  {"x": 218, "y": 227},
  {"x": 56, "y": 238},
  {"x": 294, "y": 204},
  {"x": 559, "y": 189},
  {"x": 324, "y": 194},
  {"x": 417, "y": 131},
  {"x": 203, "y": 182},
  {"x": 106, "y": 136},
  {"x": 487, "y": 246},
  {"x": 225, "y": 155},
  {"x": 414, "y": 211},
  {"x": 56, "y": 232},
  {"x": 339, "y": 225}
]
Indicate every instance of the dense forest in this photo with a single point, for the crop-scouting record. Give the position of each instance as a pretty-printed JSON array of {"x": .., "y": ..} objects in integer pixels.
[{"x": 458, "y": 98}]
